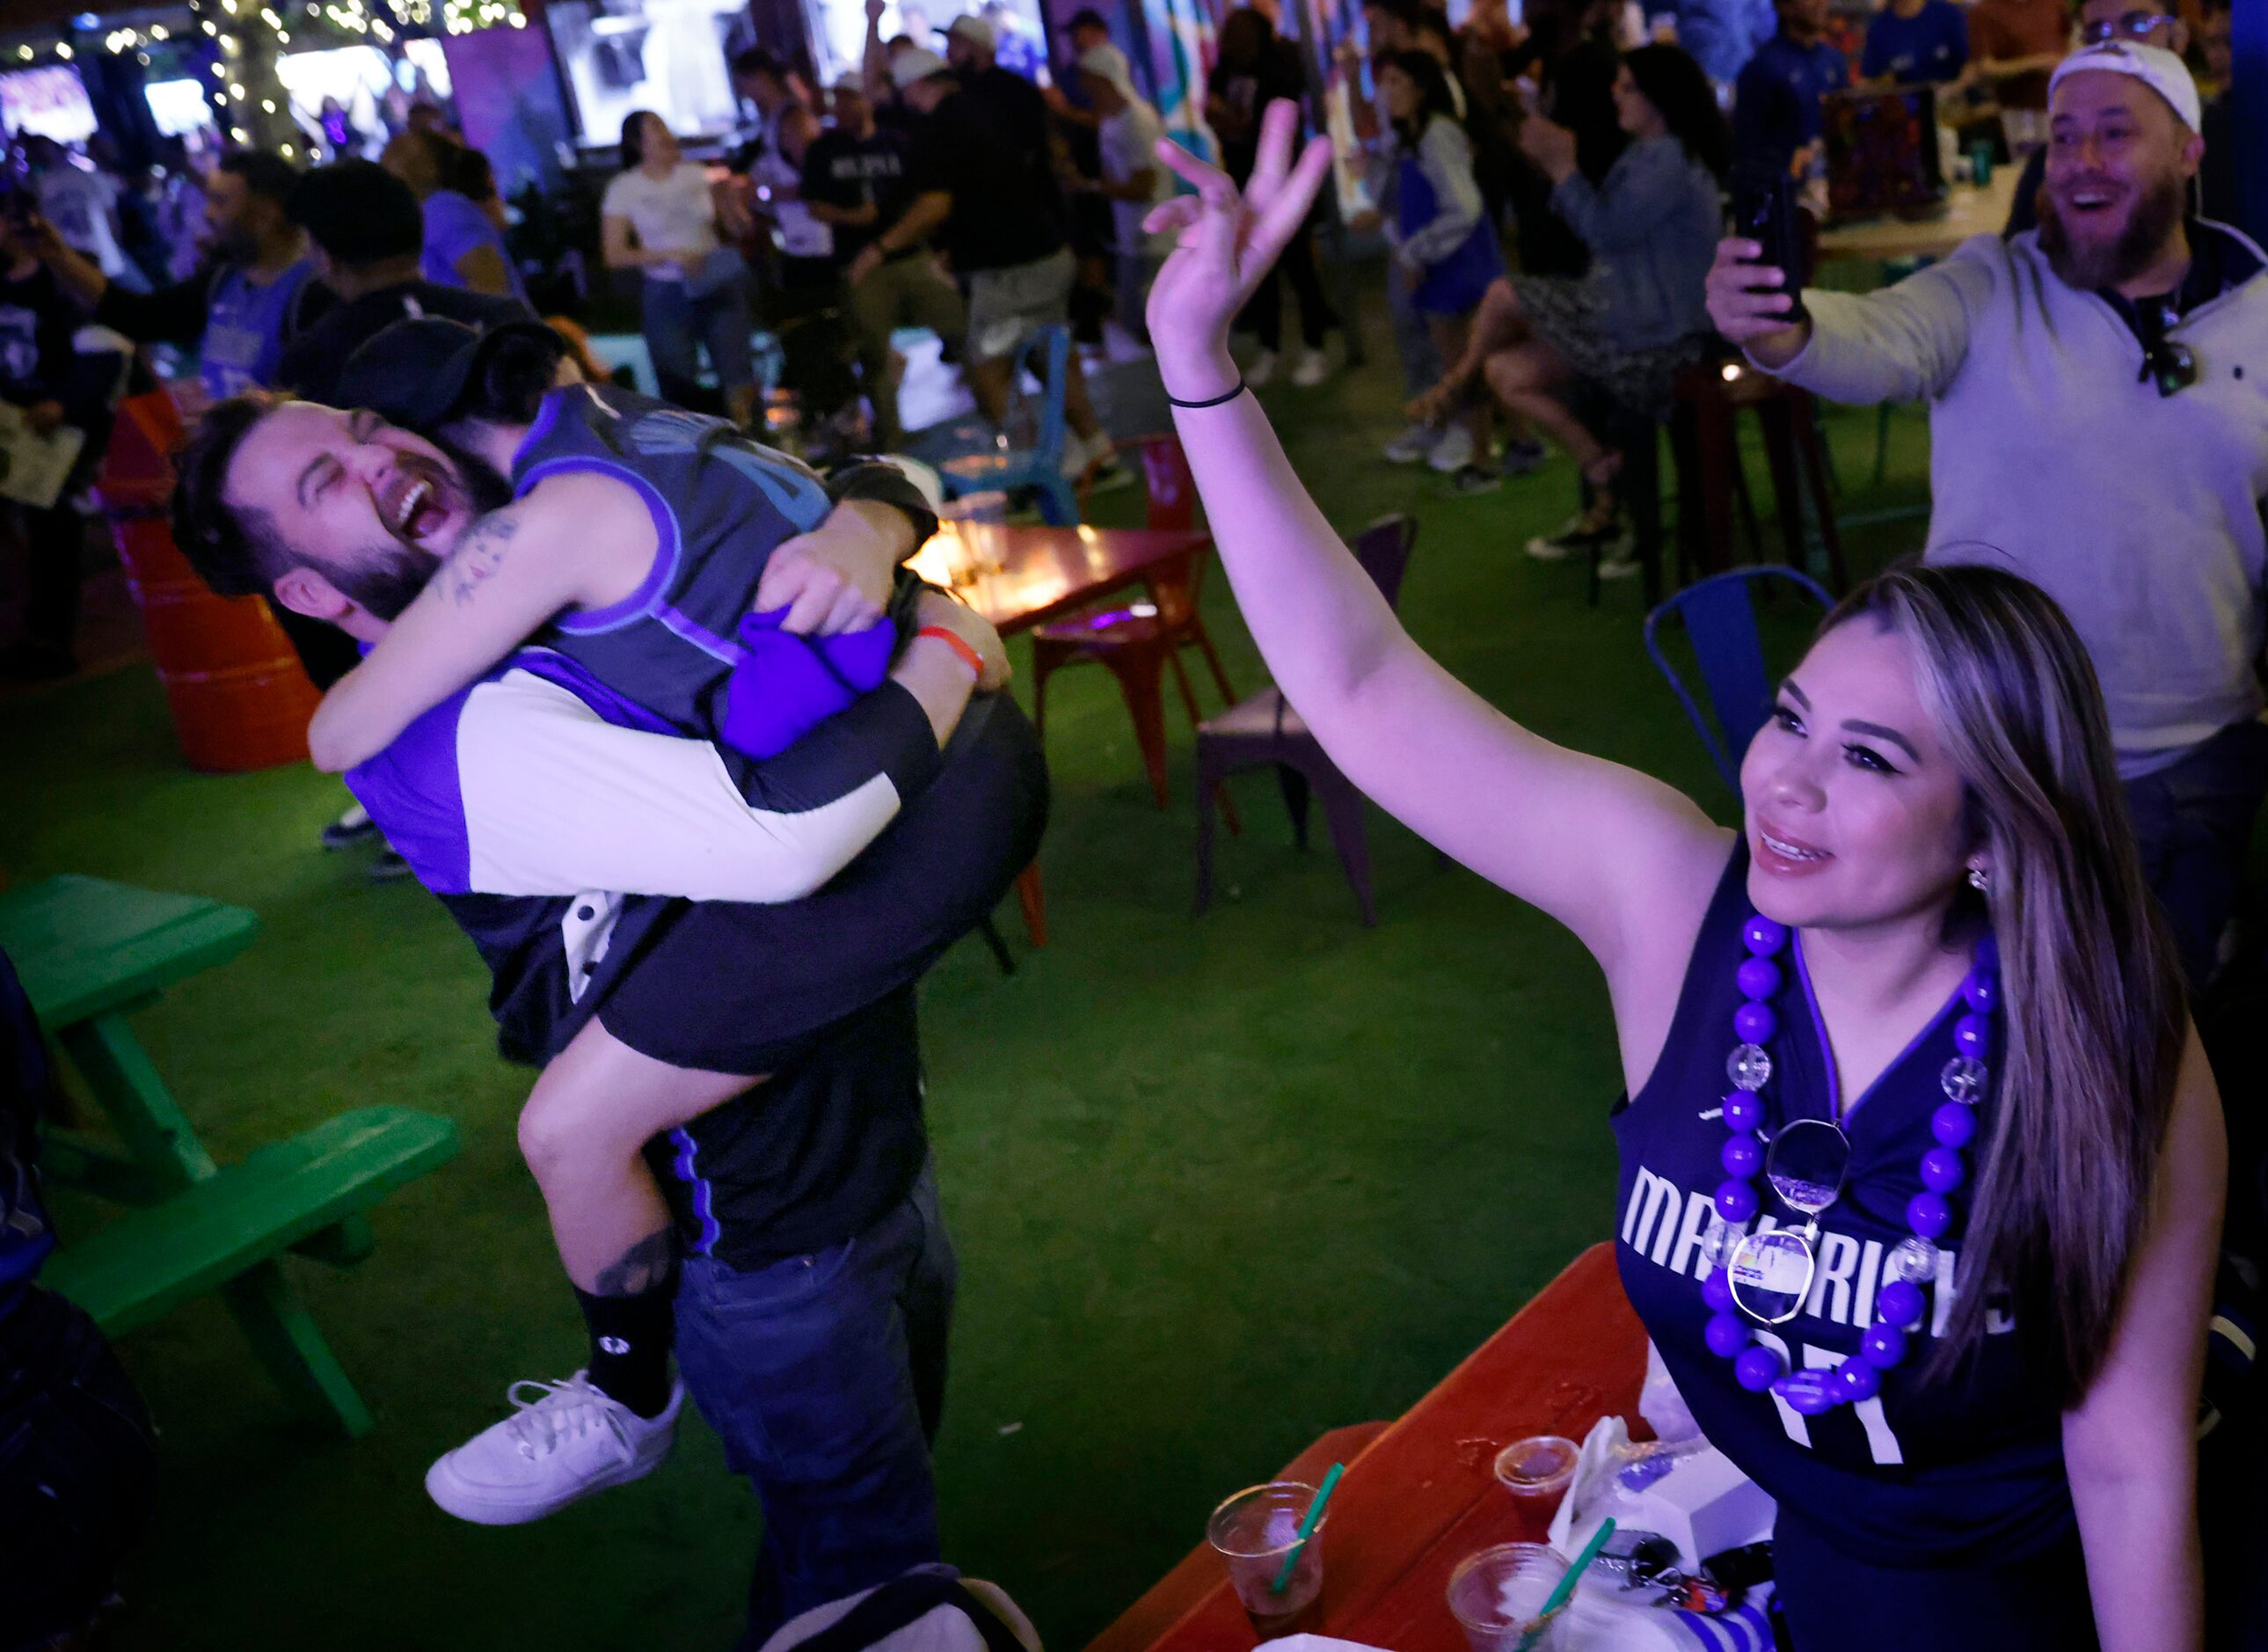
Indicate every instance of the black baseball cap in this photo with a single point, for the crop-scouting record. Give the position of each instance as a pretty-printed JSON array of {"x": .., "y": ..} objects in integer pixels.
[{"x": 417, "y": 373}]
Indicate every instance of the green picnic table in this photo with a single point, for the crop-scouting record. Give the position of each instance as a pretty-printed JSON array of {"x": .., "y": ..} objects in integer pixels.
[{"x": 91, "y": 953}]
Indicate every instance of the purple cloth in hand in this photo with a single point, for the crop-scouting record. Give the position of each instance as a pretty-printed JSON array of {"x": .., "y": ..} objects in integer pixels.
[{"x": 786, "y": 685}]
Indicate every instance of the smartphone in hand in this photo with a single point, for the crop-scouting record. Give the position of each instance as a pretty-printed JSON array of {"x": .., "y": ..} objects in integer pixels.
[{"x": 1764, "y": 211}]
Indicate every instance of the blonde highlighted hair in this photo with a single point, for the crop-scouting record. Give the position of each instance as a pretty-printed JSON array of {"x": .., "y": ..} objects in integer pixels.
[{"x": 2094, "y": 1012}]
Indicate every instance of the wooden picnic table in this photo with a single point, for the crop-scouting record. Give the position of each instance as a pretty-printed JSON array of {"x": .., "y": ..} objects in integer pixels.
[
  {"x": 1969, "y": 212},
  {"x": 1420, "y": 1493},
  {"x": 1018, "y": 576},
  {"x": 90, "y": 953}
]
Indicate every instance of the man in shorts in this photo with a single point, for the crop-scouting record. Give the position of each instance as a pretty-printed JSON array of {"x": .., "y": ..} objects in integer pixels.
[{"x": 1005, "y": 242}]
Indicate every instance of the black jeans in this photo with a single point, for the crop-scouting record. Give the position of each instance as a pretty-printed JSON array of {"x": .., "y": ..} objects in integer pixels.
[
  {"x": 78, "y": 1459},
  {"x": 2192, "y": 821}
]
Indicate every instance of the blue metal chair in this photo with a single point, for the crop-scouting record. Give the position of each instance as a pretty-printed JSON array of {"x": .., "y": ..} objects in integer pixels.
[
  {"x": 1039, "y": 467},
  {"x": 1720, "y": 622}
]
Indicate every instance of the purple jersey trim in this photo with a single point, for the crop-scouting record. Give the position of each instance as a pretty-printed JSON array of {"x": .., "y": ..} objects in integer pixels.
[
  {"x": 700, "y": 637},
  {"x": 668, "y": 552},
  {"x": 703, "y": 1196}
]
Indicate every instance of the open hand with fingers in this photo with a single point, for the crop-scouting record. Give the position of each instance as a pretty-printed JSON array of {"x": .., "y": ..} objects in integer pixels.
[{"x": 1226, "y": 241}]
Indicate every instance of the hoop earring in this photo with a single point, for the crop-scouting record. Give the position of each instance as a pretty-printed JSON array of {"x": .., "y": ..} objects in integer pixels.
[{"x": 1978, "y": 882}]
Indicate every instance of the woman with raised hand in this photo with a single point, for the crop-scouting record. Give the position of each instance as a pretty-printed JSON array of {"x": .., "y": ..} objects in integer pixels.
[{"x": 1915, "y": 1024}]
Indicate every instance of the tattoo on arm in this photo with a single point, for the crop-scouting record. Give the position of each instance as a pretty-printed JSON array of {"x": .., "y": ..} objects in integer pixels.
[
  {"x": 477, "y": 560},
  {"x": 641, "y": 1267}
]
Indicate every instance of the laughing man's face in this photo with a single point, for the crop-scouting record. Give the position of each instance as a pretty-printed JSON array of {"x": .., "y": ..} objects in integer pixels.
[
  {"x": 2119, "y": 161},
  {"x": 372, "y": 506}
]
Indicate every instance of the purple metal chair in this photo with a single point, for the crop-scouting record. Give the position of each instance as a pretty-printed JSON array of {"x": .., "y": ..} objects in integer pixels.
[{"x": 1265, "y": 730}]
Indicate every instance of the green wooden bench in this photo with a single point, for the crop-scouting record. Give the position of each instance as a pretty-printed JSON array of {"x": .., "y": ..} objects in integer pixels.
[{"x": 90, "y": 952}]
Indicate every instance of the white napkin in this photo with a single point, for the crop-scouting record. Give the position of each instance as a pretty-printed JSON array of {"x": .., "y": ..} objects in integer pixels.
[{"x": 1582, "y": 1508}]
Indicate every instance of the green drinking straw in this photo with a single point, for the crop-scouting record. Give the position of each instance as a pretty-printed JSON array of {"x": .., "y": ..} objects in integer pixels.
[
  {"x": 1307, "y": 1529},
  {"x": 1558, "y": 1597}
]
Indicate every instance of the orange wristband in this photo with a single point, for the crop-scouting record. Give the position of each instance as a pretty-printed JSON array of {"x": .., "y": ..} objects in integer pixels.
[{"x": 969, "y": 656}]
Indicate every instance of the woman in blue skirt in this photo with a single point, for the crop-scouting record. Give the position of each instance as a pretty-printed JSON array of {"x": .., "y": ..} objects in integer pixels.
[
  {"x": 1922, "y": 1166},
  {"x": 1443, "y": 236}
]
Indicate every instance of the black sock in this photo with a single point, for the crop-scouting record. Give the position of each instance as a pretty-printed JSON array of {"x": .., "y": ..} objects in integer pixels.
[{"x": 630, "y": 1334}]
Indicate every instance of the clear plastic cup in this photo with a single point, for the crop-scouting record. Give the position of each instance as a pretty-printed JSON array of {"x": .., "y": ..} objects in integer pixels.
[
  {"x": 1538, "y": 1472},
  {"x": 1496, "y": 1597},
  {"x": 1253, "y": 1531}
]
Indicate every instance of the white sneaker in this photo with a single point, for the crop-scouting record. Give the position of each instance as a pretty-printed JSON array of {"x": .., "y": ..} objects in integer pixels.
[
  {"x": 1311, "y": 369},
  {"x": 556, "y": 1448},
  {"x": 1262, "y": 370},
  {"x": 1412, "y": 444},
  {"x": 1453, "y": 452}
]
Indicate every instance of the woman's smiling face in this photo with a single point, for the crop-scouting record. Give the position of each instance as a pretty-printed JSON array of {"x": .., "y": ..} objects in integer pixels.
[{"x": 1853, "y": 812}]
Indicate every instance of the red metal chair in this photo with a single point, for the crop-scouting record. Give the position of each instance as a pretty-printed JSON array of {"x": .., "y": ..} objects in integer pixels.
[
  {"x": 1141, "y": 641},
  {"x": 1266, "y": 730}
]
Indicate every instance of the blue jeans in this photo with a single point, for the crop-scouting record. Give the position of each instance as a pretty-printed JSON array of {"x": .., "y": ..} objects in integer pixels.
[
  {"x": 678, "y": 326},
  {"x": 825, "y": 1375}
]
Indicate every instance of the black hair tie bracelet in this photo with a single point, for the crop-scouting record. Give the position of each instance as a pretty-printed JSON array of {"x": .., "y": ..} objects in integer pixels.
[{"x": 1211, "y": 401}]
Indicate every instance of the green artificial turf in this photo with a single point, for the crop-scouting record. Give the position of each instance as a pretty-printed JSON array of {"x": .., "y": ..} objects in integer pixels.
[{"x": 1216, "y": 1185}]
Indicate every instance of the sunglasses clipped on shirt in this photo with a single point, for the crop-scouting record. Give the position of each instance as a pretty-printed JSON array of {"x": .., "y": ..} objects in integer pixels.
[
  {"x": 2170, "y": 365},
  {"x": 2167, "y": 363},
  {"x": 2133, "y": 26}
]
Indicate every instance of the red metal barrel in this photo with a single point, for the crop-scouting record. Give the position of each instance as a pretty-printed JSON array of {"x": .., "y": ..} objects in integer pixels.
[{"x": 238, "y": 697}]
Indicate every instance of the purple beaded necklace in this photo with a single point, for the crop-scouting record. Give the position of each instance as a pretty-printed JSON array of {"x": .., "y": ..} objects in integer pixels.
[{"x": 1899, "y": 1306}]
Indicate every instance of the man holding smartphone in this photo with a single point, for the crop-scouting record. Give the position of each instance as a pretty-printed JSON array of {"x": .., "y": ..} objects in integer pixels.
[{"x": 2099, "y": 425}]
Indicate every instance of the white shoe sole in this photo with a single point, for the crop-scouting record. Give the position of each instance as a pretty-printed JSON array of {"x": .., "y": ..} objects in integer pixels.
[{"x": 483, "y": 1508}]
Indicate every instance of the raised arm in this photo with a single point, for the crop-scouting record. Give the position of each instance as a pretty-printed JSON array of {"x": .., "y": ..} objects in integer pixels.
[
  {"x": 1601, "y": 848},
  {"x": 577, "y": 540}
]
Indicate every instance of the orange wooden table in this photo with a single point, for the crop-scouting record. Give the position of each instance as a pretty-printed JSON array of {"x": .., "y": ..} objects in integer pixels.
[
  {"x": 1018, "y": 576},
  {"x": 1420, "y": 1493}
]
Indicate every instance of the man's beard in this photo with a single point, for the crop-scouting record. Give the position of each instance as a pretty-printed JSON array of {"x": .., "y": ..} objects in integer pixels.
[
  {"x": 2089, "y": 266},
  {"x": 387, "y": 578}
]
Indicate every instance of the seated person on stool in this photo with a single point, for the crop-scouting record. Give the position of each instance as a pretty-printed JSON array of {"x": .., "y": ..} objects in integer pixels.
[{"x": 1627, "y": 326}]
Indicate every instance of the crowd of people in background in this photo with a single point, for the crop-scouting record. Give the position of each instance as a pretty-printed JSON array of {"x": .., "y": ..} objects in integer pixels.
[
  {"x": 957, "y": 181},
  {"x": 1549, "y": 185}
]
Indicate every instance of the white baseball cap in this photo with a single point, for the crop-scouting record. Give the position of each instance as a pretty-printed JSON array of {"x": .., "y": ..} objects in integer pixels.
[
  {"x": 1107, "y": 62},
  {"x": 972, "y": 29},
  {"x": 916, "y": 65},
  {"x": 853, "y": 81},
  {"x": 2154, "y": 66}
]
